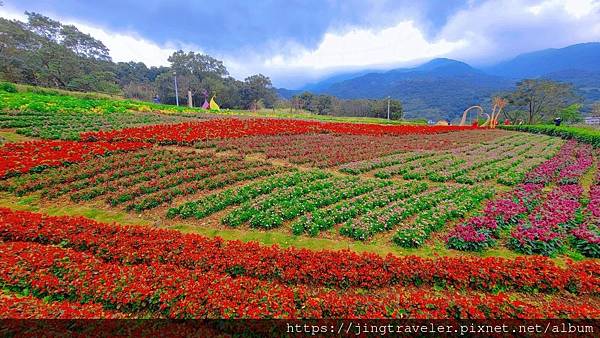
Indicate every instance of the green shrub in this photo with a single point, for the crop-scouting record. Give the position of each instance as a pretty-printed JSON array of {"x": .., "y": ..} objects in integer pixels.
[
  {"x": 8, "y": 87},
  {"x": 585, "y": 135}
]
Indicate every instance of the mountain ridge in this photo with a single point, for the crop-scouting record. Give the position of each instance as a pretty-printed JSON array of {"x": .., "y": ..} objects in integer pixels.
[{"x": 443, "y": 87}]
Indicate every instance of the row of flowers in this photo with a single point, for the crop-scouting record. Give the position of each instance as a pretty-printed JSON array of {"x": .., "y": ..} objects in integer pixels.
[
  {"x": 159, "y": 168},
  {"x": 587, "y": 235},
  {"x": 35, "y": 156},
  {"x": 287, "y": 203},
  {"x": 547, "y": 171},
  {"x": 314, "y": 222},
  {"x": 136, "y": 245},
  {"x": 540, "y": 224},
  {"x": 390, "y": 215},
  {"x": 414, "y": 234},
  {"x": 326, "y": 150},
  {"x": 143, "y": 179},
  {"x": 166, "y": 180},
  {"x": 28, "y": 307},
  {"x": 505, "y": 159},
  {"x": 99, "y": 170},
  {"x": 191, "y": 132},
  {"x": 208, "y": 184},
  {"x": 544, "y": 230},
  {"x": 173, "y": 292},
  {"x": 318, "y": 150},
  {"x": 212, "y": 203}
]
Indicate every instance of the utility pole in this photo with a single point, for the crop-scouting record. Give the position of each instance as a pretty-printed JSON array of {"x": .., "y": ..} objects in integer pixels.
[
  {"x": 176, "y": 91},
  {"x": 388, "y": 107}
]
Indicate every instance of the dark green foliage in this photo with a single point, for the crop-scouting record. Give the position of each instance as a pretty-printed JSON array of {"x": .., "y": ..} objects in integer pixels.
[
  {"x": 44, "y": 52},
  {"x": 8, "y": 87},
  {"x": 586, "y": 135}
]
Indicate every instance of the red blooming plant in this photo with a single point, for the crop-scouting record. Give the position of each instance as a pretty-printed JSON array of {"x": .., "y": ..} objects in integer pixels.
[
  {"x": 190, "y": 132},
  {"x": 166, "y": 290},
  {"x": 136, "y": 245},
  {"x": 28, "y": 307},
  {"x": 37, "y": 155}
]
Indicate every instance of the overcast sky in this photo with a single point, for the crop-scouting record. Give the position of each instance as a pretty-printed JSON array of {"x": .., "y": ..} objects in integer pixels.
[{"x": 295, "y": 41}]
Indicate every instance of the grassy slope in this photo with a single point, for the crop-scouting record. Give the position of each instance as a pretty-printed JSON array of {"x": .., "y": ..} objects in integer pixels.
[
  {"x": 86, "y": 98},
  {"x": 10, "y": 136},
  {"x": 31, "y": 203}
]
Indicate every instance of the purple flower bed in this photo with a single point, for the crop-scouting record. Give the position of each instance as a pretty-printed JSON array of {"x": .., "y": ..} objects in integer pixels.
[
  {"x": 481, "y": 232},
  {"x": 540, "y": 224},
  {"x": 505, "y": 211},
  {"x": 594, "y": 204},
  {"x": 586, "y": 239},
  {"x": 476, "y": 235},
  {"x": 544, "y": 231},
  {"x": 572, "y": 173},
  {"x": 546, "y": 172}
]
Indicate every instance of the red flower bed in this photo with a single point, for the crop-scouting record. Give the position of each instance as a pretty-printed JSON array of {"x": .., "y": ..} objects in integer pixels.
[
  {"x": 137, "y": 245},
  {"x": 233, "y": 128},
  {"x": 174, "y": 292},
  {"x": 28, "y": 307},
  {"x": 37, "y": 155}
]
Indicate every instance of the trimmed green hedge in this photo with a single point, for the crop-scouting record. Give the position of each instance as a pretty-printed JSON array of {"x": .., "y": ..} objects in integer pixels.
[{"x": 585, "y": 135}]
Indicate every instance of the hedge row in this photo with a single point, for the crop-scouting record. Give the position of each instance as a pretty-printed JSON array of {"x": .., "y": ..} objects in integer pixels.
[{"x": 585, "y": 135}]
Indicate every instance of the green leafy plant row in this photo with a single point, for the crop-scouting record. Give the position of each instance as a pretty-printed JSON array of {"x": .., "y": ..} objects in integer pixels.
[{"x": 581, "y": 134}]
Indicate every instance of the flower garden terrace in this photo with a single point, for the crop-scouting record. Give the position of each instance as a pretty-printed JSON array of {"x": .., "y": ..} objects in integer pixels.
[
  {"x": 385, "y": 193},
  {"x": 488, "y": 203},
  {"x": 129, "y": 272},
  {"x": 190, "y": 132}
]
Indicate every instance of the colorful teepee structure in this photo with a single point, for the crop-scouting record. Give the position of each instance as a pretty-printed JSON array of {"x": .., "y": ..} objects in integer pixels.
[
  {"x": 205, "y": 105},
  {"x": 213, "y": 104}
]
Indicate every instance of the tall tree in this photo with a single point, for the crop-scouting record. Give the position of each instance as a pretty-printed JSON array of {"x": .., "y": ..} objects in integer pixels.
[
  {"x": 83, "y": 44},
  {"x": 196, "y": 64},
  {"x": 571, "y": 113},
  {"x": 258, "y": 88},
  {"x": 540, "y": 99}
]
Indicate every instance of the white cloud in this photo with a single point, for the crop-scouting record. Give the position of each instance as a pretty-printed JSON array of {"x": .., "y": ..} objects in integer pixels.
[
  {"x": 129, "y": 47},
  {"x": 482, "y": 32},
  {"x": 575, "y": 8},
  {"x": 581, "y": 8},
  {"x": 363, "y": 47},
  {"x": 123, "y": 46},
  {"x": 498, "y": 29}
]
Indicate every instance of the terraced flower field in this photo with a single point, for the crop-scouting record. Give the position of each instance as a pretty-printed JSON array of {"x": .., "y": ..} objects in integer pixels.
[{"x": 448, "y": 222}]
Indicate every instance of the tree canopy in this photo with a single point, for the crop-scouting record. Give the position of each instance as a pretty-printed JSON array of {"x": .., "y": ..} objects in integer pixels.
[
  {"x": 536, "y": 100},
  {"x": 44, "y": 52},
  {"x": 331, "y": 105}
]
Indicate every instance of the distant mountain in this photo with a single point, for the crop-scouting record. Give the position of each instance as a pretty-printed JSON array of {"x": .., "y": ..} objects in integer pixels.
[
  {"x": 287, "y": 93},
  {"x": 325, "y": 83},
  {"x": 586, "y": 83},
  {"x": 584, "y": 56},
  {"x": 440, "y": 88},
  {"x": 443, "y": 88}
]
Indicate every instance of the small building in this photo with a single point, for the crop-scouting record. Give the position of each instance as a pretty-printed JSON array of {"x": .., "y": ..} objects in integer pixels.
[{"x": 592, "y": 120}]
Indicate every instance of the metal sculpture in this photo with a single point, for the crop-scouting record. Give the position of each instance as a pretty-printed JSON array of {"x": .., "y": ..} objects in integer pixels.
[
  {"x": 498, "y": 104},
  {"x": 464, "y": 117}
]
